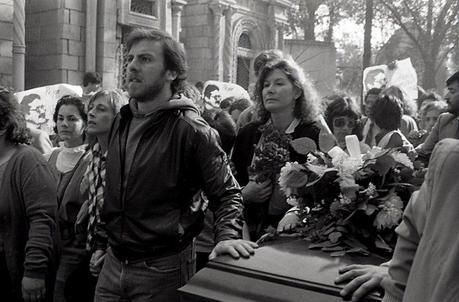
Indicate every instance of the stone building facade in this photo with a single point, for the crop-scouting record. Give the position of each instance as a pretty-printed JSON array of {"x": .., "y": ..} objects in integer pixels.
[{"x": 64, "y": 38}]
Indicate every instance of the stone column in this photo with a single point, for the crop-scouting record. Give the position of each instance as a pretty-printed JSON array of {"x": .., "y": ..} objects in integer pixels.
[
  {"x": 18, "y": 44},
  {"x": 280, "y": 36},
  {"x": 272, "y": 27},
  {"x": 177, "y": 7},
  {"x": 228, "y": 45},
  {"x": 217, "y": 10}
]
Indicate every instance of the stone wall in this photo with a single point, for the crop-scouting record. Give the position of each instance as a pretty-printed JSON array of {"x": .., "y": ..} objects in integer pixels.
[
  {"x": 318, "y": 60},
  {"x": 6, "y": 43},
  {"x": 55, "y": 42},
  {"x": 108, "y": 43},
  {"x": 211, "y": 31},
  {"x": 197, "y": 36}
]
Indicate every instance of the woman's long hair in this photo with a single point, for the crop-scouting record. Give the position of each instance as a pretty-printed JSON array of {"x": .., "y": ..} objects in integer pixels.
[
  {"x": 12, "y": 119},
  {"x": 307, "y": 105}
]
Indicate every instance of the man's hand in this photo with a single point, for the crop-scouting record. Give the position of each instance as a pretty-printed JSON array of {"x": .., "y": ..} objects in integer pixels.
[
  {"x": 235, "y": 248},
  {"x": 33, "y": 290},
  {"x": 95, "y": 264},
  {"x": 257, "y": 192},
  {"x": 289, "y": 222},
  {"x": 362, "y": 279}
]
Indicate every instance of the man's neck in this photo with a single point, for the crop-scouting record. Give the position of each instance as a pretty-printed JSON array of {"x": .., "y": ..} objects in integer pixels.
[{"x": 150, "y": 105}]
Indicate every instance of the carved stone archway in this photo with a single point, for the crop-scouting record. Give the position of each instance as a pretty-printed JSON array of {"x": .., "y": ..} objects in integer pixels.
[{"x": 249, "y": 27}]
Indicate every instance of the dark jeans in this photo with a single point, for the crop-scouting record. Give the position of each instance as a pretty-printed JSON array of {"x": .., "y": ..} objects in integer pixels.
[
  {"x": 72, "y": 278},
  {"x": 145, "y": 280}
]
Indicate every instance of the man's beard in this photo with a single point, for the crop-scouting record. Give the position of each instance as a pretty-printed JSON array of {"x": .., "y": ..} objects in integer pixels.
[{"x": 154, "y": 90}]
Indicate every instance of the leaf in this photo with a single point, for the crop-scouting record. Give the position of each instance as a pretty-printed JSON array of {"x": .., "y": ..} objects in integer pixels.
[
  {"x": 328, "y": 231},
  {"x": 370, "y": 209},
  {"x": 338, "y": 254},
  {"x": 358, "y": 250},
  {"x": 335, "y": 236},
  {"x": 342, "y": 229},
  {"x": 304, "y": 145},
  {"x": 354, "y": 243},
  {"x": 333, "y": 249},
  {"x": 323, "y": 244},
  {"x": 381, "y": 244},
  {"x": 383, "y": 164}
]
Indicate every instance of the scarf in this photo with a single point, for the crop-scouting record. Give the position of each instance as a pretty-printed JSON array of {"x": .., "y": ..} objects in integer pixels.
[{"x": 96, "y": 179}]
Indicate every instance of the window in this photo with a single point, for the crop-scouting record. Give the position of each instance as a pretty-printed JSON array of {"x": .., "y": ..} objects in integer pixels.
[
  {"x": 243, "y": 72},
  {"x": 244, "y": 41},
  {"x": 144, "y": 7}
]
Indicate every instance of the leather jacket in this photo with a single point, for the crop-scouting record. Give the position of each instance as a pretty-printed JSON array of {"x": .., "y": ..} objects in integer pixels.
[{"x": 178, "y": 154}]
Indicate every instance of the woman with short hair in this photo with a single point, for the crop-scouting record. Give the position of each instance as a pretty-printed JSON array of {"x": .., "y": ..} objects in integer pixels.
[{"x": 68, "y": 164}]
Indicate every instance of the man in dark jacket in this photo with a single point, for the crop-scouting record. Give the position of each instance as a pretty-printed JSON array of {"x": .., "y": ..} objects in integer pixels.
[{"x": 160, "y": 154}]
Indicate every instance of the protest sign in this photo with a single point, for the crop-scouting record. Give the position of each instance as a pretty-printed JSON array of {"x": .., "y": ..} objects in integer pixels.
[
  {"x": 38, "y": 104},
  {"x": 399, "y": 73},
  {"x": 215, "y": 91}
]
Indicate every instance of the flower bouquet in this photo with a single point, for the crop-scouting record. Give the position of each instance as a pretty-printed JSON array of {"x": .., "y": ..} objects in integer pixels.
[
  {"x": 273, "y": 152},
  {"x": 350, "y": 204}
]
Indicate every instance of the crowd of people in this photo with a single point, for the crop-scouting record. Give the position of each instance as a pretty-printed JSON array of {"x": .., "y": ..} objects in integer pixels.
[{"x": 133, "y": 194}]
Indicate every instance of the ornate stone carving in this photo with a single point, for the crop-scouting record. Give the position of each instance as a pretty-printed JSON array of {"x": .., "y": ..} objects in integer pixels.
[
  {"x": 177, "y": 8},
  {"x": 217, "y": 10},
  {"x": 18, "y": 44},
  {"x": 228, "y": 45}
]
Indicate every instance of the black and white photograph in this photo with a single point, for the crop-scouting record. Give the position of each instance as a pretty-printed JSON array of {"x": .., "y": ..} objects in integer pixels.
[{"x": 229, "y": 150}]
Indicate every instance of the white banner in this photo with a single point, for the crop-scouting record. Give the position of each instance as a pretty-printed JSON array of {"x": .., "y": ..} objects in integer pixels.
[
  {"x": 401, "y": 74},
  {"x": 38, "y": 104},
  {"x": 215, "y": 91}
]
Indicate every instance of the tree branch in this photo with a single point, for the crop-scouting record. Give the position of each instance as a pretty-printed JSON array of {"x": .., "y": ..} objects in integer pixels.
[
  {"x": 443, "y": 56},
  {"x": 440, "y": 25},
  {"x": 417, "y": 22},
  {"x": 398, "y": 20}
]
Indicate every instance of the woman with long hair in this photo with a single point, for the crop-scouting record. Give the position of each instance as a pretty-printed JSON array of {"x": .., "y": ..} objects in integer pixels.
[
  {"x": 286, "y": 103},
  {"x": 28, "y": 210}
]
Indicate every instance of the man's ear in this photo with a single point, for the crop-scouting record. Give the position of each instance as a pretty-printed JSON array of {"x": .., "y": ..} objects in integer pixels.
[{"x": 171, "y": 75}]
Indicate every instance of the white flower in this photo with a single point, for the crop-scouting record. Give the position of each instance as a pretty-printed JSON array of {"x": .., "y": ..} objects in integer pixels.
[
  {"x": 346, "y": 164},
  {"x": 375, "y": 152},
  {"x": 403, "y": 159},
  {"x": 344, "y": 200},
  {"x": 371, "y": 190},
  {"x": 317, "y": 169},
  {"x": 390, "y": 214},
  {"x": 348, "y": 186},
  {"x": 293, "y": 201}
]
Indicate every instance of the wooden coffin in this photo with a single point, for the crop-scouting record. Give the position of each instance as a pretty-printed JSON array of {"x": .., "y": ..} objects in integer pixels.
[{"x": 285, "y": 270}]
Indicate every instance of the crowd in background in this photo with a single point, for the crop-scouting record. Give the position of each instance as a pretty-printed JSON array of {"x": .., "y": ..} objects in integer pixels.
[{"x": 53, "y": 240}]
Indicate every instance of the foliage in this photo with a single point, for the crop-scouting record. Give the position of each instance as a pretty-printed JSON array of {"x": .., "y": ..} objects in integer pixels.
[
  {"x": 273, "y": 152},
  {"x": 350, "y": 205},
  {"x": 432, "y": 28}
]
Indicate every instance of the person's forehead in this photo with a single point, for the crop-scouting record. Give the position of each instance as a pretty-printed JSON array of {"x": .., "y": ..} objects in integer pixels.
[
  {"x": 276, "y": 74},
  {"x": 69, "y": 110},
  {"x": 101, "y": 100},
  {"x": 146, "y": 47}
]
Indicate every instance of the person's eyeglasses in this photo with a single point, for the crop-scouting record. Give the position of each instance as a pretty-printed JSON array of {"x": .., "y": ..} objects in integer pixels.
[{"x": 340, "y": 122}]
